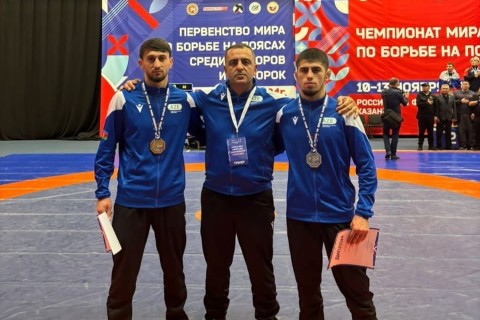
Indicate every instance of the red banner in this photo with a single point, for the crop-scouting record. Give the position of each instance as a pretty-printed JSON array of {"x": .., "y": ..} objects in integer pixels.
[{"x": 409, "y": 40}]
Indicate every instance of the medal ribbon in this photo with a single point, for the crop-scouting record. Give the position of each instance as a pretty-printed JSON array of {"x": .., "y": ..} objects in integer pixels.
[
  {"x": 244, "y": 111},
  {"x": 156, "y": 128},
  {"x": 312, "y": 142}
]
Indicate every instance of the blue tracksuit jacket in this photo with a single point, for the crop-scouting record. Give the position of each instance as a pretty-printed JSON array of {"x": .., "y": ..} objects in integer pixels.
[
  {"x": 326, "y": 194},
  {"x": 258, "y": 129},
  {"x": 145, "y": 180}
]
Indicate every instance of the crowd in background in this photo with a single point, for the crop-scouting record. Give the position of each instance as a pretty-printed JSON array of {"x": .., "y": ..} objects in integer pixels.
[{"x": 457, "y": 105}]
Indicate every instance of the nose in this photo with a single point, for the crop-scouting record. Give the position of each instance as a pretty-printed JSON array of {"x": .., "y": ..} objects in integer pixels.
[
  {"x": 239, "y": 65},
  {"x": 157, "y": 63}
]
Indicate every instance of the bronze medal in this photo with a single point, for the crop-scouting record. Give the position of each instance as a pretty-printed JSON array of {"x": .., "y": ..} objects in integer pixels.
[
  {"x": 157, "y": 146},
  {"x": 314, "y": 159}
]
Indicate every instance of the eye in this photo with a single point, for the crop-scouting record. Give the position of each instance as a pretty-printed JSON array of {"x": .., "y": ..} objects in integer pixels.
[{"x": 303, "y": 70}]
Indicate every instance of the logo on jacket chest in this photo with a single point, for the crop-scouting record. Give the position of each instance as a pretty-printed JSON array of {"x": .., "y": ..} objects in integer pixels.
[
  {"x": 174, "y": 107},
  {"x": 326, "y": 122},
  {"x": 139, "y": 107}
]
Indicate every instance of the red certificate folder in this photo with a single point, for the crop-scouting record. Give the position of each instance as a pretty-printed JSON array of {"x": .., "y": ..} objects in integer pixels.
[
  {"x": 109, "y": 237},
  {"x": 362, "y": 254}
]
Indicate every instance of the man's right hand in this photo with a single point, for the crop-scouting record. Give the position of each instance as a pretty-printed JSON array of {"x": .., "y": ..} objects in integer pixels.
[{"x": 129, "y": 85}]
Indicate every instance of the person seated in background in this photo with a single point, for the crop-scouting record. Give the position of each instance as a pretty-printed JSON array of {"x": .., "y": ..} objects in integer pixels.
[{"x": 449, "y": 76}]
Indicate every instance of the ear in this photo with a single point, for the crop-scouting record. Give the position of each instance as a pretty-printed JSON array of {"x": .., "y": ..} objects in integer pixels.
[
  {"x": 140, "y": 63},
  {"x": 328, "y": 74}
]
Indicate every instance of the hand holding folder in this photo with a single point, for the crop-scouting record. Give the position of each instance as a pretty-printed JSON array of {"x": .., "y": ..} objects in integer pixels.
[
  {"x": 109, "y": 237},
  {"x": 362, "y": 254}
]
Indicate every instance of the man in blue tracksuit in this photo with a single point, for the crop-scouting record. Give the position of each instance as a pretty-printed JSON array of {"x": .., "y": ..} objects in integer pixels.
[
  {"x": 320, "y": 195},
  {"x": 237, "y": 200},
  {"x": 149, "y": 125}
]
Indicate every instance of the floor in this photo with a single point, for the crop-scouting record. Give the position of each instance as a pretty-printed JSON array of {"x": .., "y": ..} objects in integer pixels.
[{"x": 54, "y": 265}]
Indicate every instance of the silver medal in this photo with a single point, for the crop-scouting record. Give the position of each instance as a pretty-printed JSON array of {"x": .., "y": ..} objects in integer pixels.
[{"x": 314, "y": 159}]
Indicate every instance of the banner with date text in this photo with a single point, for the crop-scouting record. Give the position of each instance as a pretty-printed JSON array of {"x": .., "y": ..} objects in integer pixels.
[
  {"x": 368, "y": 42},
  {"x": 409, "y": 40}
]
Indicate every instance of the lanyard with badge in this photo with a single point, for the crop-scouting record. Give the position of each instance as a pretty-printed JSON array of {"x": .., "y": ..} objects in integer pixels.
[
  {"x": 313, "y": 158},
  {"x": 157, "y": 145},
  {"x": 237, "y": 146}
]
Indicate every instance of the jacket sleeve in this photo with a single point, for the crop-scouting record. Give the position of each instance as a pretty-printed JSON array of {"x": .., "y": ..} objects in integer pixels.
[
  {"x": 362, "y": 156},
  {"x": 468, "y": 76},
  {"x": 457, "y": 97},
  {"x": 196, "y": 126},
  {"x": 277, "y": 136},
  {"x": 105, "y": 158},
  {"x": 435, "y": 105},
  {"x": 454, "y": 116},
  {"x": 404, "y": 99},
  {"x": 421, "y": 101}
]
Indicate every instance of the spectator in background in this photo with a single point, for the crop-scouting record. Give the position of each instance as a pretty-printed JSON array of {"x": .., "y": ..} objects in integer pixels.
[
  {"x": 425, "y": 104},
  {"x": 449, "y": 76},
  {"x": 472, "y": 74},
  {"x": 445, "y": 112},
  {"x": 464, "y": 112},
  {"x": 475, "y": 104},
  {"x": 392, "y": 97}
]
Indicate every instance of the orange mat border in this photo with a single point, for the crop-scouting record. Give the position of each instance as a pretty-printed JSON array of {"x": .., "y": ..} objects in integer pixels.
[{"x": 455, "y": 185}]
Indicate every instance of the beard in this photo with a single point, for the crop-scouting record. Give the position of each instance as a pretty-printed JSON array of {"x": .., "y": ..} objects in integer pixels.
[
  {"x": 310, "y": 92},
  {"x": 156, "y": 79}
]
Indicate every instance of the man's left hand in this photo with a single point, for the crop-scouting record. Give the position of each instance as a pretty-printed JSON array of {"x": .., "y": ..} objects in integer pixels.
[{"x": 360, "y": 229}]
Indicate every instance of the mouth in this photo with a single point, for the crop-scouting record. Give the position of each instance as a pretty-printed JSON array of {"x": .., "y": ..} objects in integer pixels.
[{"x": 240, "y": 75}]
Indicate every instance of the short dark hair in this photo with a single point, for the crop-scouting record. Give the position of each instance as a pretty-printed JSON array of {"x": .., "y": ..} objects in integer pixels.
[
  {"x": 313, "y": 54},
  {"x": 240, "y": 45},
  {"x": 393, "y": 81},
  {"x": 155, "y": 44}
]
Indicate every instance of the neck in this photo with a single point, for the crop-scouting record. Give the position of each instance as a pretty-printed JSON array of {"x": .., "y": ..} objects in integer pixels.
[
  {"x": 317, "y": 96},
  {"x": 161, "y": 84},
  {"x": 240, "y": 89}
]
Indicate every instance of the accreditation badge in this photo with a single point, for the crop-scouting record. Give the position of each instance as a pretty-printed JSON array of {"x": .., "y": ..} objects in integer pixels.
[{"x": 237, "y": 151}]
